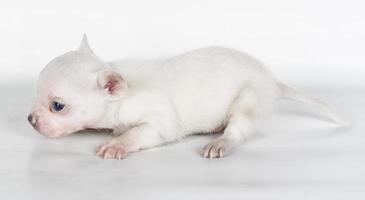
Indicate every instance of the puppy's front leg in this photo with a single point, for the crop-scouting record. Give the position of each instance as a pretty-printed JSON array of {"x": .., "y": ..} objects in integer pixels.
[{"x": 136, "y": 138}]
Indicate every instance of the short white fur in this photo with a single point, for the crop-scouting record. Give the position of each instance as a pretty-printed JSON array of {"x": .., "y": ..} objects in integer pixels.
[{"x": 152, "y": 103}]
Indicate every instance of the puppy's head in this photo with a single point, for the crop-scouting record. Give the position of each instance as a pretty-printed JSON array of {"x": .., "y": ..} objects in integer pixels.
[{"x": 74, "y": 91}]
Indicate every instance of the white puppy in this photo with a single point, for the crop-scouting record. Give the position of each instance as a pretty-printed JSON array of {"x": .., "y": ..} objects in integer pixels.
[{"x": 151, "y": 103}]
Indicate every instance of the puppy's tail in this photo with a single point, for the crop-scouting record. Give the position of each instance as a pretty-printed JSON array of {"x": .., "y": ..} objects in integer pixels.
[{"x": 293, "y": 94}]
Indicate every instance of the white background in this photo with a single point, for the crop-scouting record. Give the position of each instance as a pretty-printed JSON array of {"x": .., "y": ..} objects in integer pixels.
[
  {"x": 316, "y": 45},
  {"x": 303, "y": 42}
]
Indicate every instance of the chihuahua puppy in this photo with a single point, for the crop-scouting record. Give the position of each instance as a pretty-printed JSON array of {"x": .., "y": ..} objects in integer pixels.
[{"x": 152, "y": 103}]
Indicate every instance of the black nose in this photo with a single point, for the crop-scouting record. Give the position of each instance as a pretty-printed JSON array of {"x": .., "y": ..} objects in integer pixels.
[{"x": 30, "y": 119}]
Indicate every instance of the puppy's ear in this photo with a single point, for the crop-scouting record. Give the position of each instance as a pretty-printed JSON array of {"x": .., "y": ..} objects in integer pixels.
[
  {"x": 84, "y": 46},
  {"x": 112, "y": 83}
]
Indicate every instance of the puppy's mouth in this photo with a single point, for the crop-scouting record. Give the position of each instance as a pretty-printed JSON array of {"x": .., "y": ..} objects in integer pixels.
[
  {"x": 55, "y": 134},
  {"x": 69, "y": 132}
]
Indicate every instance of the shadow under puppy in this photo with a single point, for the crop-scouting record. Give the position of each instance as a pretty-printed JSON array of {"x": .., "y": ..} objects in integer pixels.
[{"x": 151, "y": 103}]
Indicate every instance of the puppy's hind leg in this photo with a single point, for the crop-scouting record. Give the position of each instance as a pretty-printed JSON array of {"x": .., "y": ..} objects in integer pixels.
[{"x": 241, "y": 124}]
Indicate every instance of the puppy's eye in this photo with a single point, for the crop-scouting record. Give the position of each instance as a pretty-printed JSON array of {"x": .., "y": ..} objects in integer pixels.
[{"x": 57, "y": 106}]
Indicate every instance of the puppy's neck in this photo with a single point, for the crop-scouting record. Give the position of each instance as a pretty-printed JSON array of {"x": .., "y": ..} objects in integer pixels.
[{"x": 109, "y": 118}]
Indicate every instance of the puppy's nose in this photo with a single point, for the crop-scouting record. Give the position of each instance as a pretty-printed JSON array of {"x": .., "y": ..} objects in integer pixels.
[{"x": 31, "y": 120}]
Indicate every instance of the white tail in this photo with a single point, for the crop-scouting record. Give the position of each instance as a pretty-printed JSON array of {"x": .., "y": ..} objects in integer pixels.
[{"x": 293, "y": 94}]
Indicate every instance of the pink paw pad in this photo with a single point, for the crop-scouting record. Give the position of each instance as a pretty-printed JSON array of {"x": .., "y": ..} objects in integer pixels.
[{"x": 112, "y": 151}]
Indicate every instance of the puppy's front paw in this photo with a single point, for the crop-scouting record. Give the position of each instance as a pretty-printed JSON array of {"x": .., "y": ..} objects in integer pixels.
[
  {"x": 216, "y": 148},
  {"x": 111, "y": 150}
]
